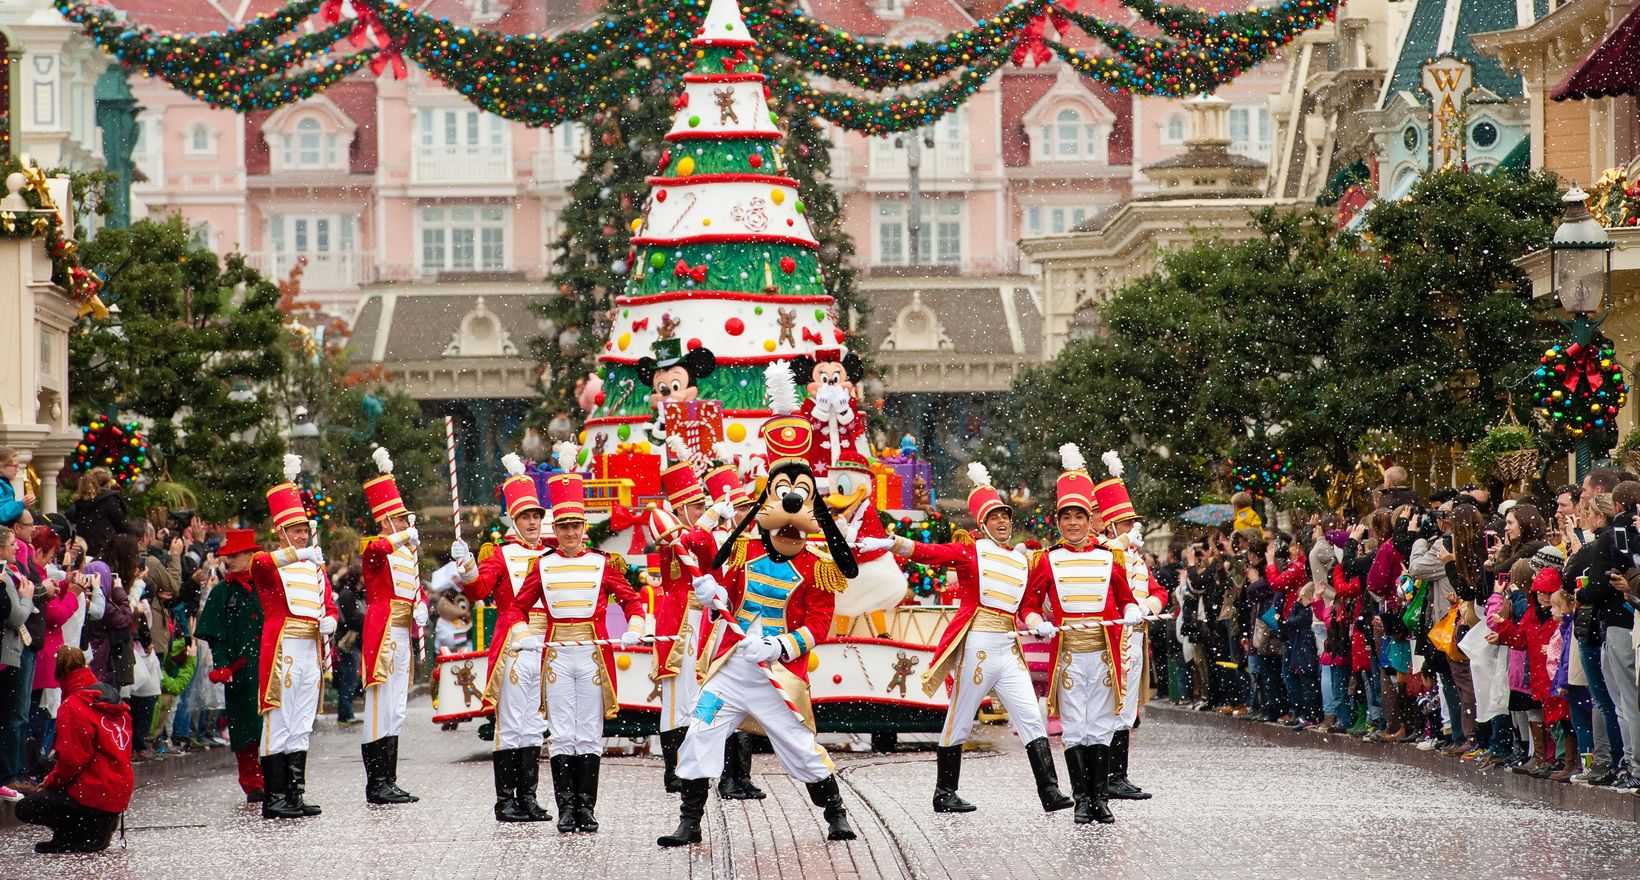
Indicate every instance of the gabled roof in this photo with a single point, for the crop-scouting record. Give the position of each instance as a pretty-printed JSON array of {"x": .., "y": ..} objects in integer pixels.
[
  {"x": 356, "y": 98},
  {"x": 1443, "y": 27}
]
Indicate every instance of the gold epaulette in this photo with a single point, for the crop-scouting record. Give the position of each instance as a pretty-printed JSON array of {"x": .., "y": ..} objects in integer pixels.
[
  {"x": 365, "y": 542},
  {"x": 489, "y": 549},
  {"x": 1033, "y": 555},
  {"x": 962, "y": 536},
  {"x": 827, "y": 576},
  {"x": 738, "y": 558},
  {"x": 618, "y": 561}
]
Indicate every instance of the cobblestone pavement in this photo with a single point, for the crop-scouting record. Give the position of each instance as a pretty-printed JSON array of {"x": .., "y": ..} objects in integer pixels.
[{"x": 1227, "y": 805}]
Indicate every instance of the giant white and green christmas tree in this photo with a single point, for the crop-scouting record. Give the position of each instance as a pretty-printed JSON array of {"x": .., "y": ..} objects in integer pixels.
[{"x": 722, "y": 257}]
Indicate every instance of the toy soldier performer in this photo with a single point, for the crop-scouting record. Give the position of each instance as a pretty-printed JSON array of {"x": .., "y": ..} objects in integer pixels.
[
  {"x": 394, "y": 608},
  {"x": 980, "y": 648},
  {"x": 513, "y": 689},
  {"x": 575, "y": 583},
  {"x": 1077, "y": 583},
  {"x": 298, "y": 615}
]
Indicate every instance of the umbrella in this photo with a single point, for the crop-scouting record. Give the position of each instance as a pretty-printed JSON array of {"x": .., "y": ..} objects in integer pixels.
[{"x": 1208, "y": 514}]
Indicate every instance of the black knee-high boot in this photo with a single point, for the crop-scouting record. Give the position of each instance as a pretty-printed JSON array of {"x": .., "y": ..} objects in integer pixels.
[
  {"x": 826, "y": 795},
  {"x": 1120, "y": 788},
  {"x": 586, "y": 792},
  {"x": 1047, "y": 779},
  {"x": 393, "y": 771},
  {"x": 563, "y": 791},
  {"x": 1098, "y": 770},
  {"x": 529, "y": 777},
  {"x": 735, "y": 783},
  {"x": 689, "y": 814},
  {"x": 1076, "y": 766},
  {"x": 276, "y": 788},
  {"x": 377, "y": 786},
  {"x": 671, "y": 741},
  {"x": 298, "y": 784},
  {"x": 947, "y": 775},
  {"x": 504, "y": 764}
]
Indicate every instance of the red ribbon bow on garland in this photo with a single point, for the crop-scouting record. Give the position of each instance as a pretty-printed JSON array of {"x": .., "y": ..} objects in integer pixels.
[
  {"x": 1585, "y": 362},
  {"x": 1033, "y": 42},
  {"x": 684, "y": 270},
  {"x": 390, "y": 54},
  {"x": 730, "y": 62}
]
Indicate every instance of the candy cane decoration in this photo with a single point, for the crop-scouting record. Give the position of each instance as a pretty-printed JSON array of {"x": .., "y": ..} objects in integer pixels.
[
  {"x": 586, "y": 643},
  {"x": 1092, "y": 624},
  {"x": 450, "y": 456}
]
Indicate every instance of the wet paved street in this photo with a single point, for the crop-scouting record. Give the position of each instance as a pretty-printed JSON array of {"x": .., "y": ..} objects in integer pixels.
[{"x": 1227, "y": 805}]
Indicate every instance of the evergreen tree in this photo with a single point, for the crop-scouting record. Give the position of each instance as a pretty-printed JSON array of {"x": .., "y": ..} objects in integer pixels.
[{"x": 191, "y": 331}]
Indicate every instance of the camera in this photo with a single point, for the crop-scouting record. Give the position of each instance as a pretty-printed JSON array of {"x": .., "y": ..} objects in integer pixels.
[{"x": 1625, "y": 543}]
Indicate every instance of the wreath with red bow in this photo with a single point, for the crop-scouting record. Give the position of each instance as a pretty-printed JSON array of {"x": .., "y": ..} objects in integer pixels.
[{"x": 1578, "y": 389}]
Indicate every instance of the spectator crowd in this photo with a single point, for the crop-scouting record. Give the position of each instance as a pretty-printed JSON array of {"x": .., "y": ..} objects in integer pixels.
[{"x": 1498, "y": 632}]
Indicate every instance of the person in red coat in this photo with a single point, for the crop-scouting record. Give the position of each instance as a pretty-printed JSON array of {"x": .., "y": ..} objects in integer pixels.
[
  {"x": 1079, "y": 581},
  {"x": 575, "y": 584},
  {"x": 1532, "y": 634},
  {"x": 81, "y": 799},
  {"x": 298, "y": 615},
  {"x": 394, "y": 611},
  {"x": 980, "y": 650},
  {"x": 779, "y": 594},
  {"x": 512, "y": 691}
]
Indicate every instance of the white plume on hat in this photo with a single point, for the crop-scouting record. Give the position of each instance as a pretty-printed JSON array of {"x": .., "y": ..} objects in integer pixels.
[
  {"x": 1113, "y": 462},
  {"x": 978, "y": 474},
  {"x": 781, "y": 387},
  {"x": 723, "y": 451},
  {"x": 384, "y": 461},
  {"x": 293, "y": 465},
  {"x": 565, "y": 453},
  {"x": 513, "y": 464},
  {"x": 1070, "y": 458}
]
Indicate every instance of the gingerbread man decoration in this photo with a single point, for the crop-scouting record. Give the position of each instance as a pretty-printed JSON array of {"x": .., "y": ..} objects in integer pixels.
[
  {"x": 788, "y": 323},
  {"x": 669, "y": 326},
  {"x": 726, "y": 106},
  {"x": 903, "y": 664}
]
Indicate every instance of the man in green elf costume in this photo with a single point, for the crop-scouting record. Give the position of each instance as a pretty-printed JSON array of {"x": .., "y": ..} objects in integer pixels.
[{"x": 231, "y": 622}]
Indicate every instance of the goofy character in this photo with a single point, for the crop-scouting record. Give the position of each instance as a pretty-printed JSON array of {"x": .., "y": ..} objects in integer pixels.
[{"x": 777, "y": 602}]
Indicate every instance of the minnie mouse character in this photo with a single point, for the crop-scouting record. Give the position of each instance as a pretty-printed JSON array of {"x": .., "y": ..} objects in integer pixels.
[{"x": 832, "y": 406}]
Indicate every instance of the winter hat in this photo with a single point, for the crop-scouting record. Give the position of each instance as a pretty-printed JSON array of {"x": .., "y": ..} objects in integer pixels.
[
  {"x": 1546, "y": 581},
  {"x": 1548, "y": 556}
]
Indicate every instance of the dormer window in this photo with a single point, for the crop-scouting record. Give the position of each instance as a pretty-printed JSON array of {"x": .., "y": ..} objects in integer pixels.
[
  {"x": 1071, "y": 137},
  {"x": 308, "y": 146},
  {"x": 890, "y": 8},
  {"x": 311, "y": 136}
]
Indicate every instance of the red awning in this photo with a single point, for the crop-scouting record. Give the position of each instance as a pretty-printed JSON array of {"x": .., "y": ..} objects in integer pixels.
[{"x": 1611, "y": 68}]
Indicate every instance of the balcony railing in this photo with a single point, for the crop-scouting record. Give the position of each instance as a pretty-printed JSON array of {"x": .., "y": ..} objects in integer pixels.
[
  {"x": 553, "y": 168},
  {"x": 320, "y": 271},
  {"x": 457, "y": 164},
  {"x": 945, "y": 161}
]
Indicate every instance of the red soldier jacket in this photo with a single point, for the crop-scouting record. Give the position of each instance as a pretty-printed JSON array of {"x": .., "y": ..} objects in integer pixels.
[
  {"x": 676, "y": 597},
  {"x": 294, "y": 599},
  {"x": 392, "y": 587},
  {"x": 1068, "y": 585},
  {"x": 793, "y": 600},
  {"x": 501, "y": 575},
  {"x": 575, "y": 592},
  {"x": 991, "y": 582}
]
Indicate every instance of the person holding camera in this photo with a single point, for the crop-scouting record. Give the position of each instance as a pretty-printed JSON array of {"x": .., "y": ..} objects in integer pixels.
[{"x": 1597, "y": 570}]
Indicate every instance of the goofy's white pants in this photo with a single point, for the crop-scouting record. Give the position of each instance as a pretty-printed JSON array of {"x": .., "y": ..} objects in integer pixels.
[
  {"x": 738, "y": 689},
  {"x": 384, "y": 703},
  {"x": 519, "y": 723},
  {"x": 1087, "y": 701},
  {"x": 991, "y": 661},
  {"x": 575, "y": 702},
  {"x": 287, "y": 727},
  {"x": 1134, "y": 640},
  {"x": 679, "y": 692}
]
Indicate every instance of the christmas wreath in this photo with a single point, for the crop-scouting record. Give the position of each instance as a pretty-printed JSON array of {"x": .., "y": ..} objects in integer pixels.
[{"x": 1578, "y": 389}]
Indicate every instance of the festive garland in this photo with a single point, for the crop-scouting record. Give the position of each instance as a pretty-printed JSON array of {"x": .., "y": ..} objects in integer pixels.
[
  {"x": 546, "y": 80},
  {"x": 1615, "y": 199},
  {"x": 318, "y": 504},
  {"x": 924, "y": 580},
  {"x": 1260, "y": 472},
  {"x": 1578, "y": 389},
  {"x": 104, "y": 443},
  {"x": 42, "y": 220}
]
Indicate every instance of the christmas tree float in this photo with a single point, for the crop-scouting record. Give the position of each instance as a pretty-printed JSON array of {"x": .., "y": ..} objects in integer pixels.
[{"x": 724, "y": 270}]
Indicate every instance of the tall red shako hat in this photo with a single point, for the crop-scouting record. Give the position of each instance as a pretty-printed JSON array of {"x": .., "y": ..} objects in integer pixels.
[
  {"x": 518, "y": 490},
  {"x": 1075, "y": 487},
  {"x": 381, "y": 492},
  {"x": 1111, "y": 494},
  {"x": 566, "y": 491},
  {"x": 983, "y": 499},
  {"x": 787, "y": 436},
  {"x": 285, "y": 499},
  {"x": 681, "y": 485},
  {"x": 721, "y": 482}
]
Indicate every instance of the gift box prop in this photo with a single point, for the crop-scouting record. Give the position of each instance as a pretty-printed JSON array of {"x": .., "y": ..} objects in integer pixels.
[
  {"x": 904, "y": 483},
  {"x": 699, "y": 423},
  {"x": 640, "y": 466}
]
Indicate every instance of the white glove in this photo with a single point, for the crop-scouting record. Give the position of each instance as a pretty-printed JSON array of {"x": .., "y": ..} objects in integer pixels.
[
  {"x": 1154, "y": 604},
  {"x": 1044, "y": 630},
  {"x": 725, "y": 511},
  {"x": 707, "y": 589},
  {"x": 762, "y": 650},
  {"x": 311, "y": 554},
  {"x": 631, "y": 637},
  {"x": 459, "y": 551},
  {"x": 872, "y": 545},
  {"x": 409, "y": 537},
  {"x": 327, "y": 626},
  {"x": 418, "y": 613}
]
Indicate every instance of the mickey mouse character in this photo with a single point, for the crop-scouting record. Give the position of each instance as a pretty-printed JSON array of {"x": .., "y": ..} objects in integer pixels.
[
  {"x": 832, "y": 407},
  {"x": 675, "y": 378},
  {"x": 778, "y": 594}
]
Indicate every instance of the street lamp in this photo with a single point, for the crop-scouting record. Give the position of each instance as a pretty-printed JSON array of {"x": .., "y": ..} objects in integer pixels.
[
  {"x": 1580, "y": 265},
  {"x": 304, "y": 439}
]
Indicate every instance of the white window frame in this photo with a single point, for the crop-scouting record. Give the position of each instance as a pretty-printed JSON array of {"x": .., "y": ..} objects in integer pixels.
[
  {"x": 1088, "y": 138},
  {"x": 191, "y": 140},
  {"x": 1049, "y": 218},
  {"x": 950, "y": 157},
  {"x": 482, "y": 232},
  {"x": 1175, "y": 129},
  {"x": 944, "y": 225},
  {"x": 1257, "y": 131}
]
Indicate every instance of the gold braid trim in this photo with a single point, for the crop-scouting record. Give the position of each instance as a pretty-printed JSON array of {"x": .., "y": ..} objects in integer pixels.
[
  {"x": 827, "y": 576},
  {"x": 618, "y": 561},
  {"x": 738, "y": 558},
  {"x": 962, "y": 536},
  {"x": 489, "y": 549}
]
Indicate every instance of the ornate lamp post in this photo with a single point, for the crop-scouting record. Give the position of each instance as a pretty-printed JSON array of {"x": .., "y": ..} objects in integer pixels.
[{"x": 1580, "y": 266}]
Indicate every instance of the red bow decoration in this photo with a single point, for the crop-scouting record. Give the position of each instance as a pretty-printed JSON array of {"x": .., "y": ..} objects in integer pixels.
[
  {"x": 1585, "y": 362},
  {"x": 681, "y": 101},
  {"x": 331, "y": 11},
  {"x": 628, "y": 518},
  {"x": 731, "y": 62},
  {"x": 366, "y": 23},
  {"x": 811, "y": 336},
  {"x": 684, "y": 270},
  {"x": 389, "y": 54},
  {"x": 641, "y": 324},
  {"x": 1033, "y": 40}
]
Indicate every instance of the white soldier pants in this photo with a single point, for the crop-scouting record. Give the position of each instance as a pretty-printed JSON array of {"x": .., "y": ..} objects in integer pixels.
[
  {"x": 519, "y": 723},
  {"x": 287, "y": 727},
  {"x": 1087, "y": 701},
  {"x": 1134, "y": 640},
  {"x": 992, "y": 662},
  {"x": 679, "y": 692},
  {"x": 384, "y": 703},
  {"x": 575, "y": 702},
  {"x": 738, "y": 689}
]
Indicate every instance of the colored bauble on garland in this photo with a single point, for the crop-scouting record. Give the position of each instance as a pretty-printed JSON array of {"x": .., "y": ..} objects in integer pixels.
[
  {"x": 105, "y": 443},
  {"x": 1260, "y": 472},
  {"x": 318, "y": 504},
  {"x": 1577, "y": 391}
]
